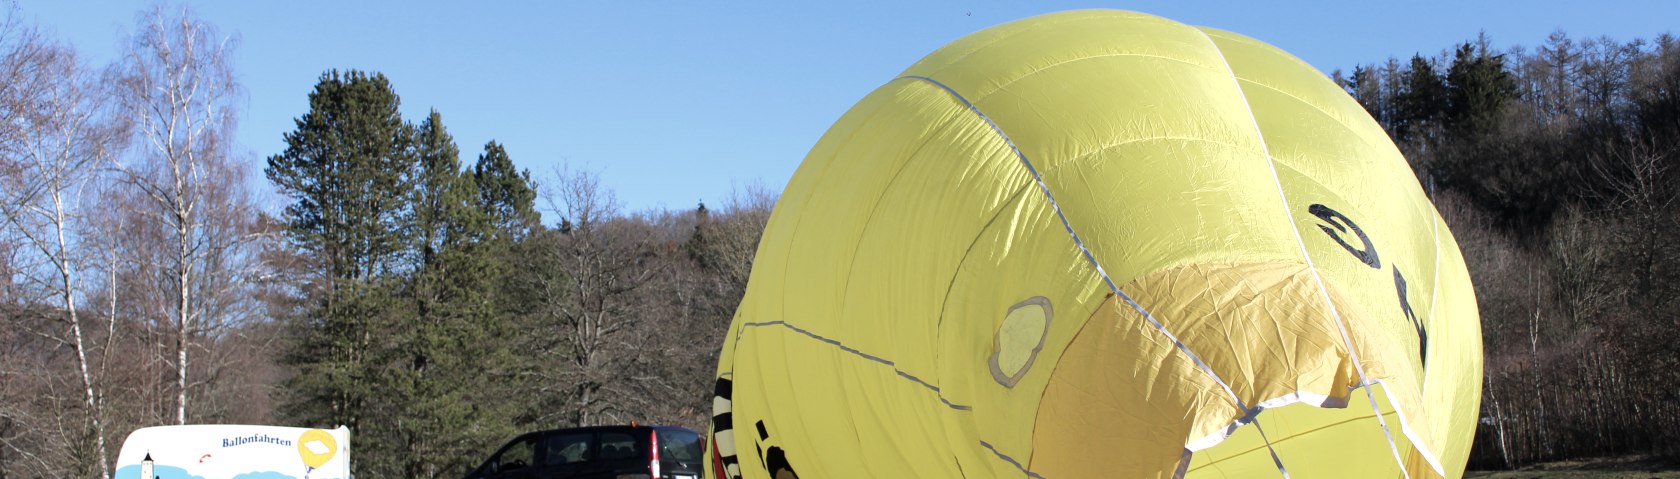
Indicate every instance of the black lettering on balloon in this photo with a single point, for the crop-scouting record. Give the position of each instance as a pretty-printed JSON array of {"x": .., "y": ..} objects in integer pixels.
[
  {"x": 1406, "y": 307},
  {"x": 775, "y": 460},
  {"x": 1339, "y": 225},
  {"x": 1367, "y": 253}
]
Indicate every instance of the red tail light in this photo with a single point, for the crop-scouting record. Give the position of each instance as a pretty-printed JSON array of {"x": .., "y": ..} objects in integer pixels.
[{"x": 653, "y": 465}]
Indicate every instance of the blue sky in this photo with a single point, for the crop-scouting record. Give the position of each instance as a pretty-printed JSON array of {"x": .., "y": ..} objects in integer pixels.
[{"x": 677, "y": 102}]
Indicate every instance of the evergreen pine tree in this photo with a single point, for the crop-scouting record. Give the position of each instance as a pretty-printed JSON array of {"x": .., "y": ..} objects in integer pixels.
[
  {"x": 450, "y": 341},
  {"x": 507, "y": 199},
  {"x": 346, "y": 169},
  {"x": 1478, "y": 88},
  {"x": 1422, "y": 104},
  {"x": 505, "y": 193}
]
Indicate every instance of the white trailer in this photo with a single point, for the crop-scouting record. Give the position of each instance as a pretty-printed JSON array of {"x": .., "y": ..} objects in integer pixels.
[{"x": 226, "y": 451}]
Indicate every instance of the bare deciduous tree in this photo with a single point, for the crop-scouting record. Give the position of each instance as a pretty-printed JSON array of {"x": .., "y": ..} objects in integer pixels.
[
  {"x": 175, "y": 86},
  {"x": 602, "y": 259},
  {"x": 55, "y": 142}
]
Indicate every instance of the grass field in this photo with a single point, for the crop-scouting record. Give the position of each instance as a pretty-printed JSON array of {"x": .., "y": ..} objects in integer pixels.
[{"x": 1611, "y": 468}]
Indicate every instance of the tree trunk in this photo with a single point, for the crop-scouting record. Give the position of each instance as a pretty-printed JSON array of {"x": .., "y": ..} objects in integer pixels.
[
  {"x": 183, "y": 276},
  {"x": 583, "y": 407},
  {"x": 69, "y": 296},
  {"x": 1498, "y": 421},
  {"x": 1545, "y": 449}
]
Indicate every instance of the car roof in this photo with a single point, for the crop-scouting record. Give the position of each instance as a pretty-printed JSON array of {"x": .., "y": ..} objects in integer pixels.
[{"x": 609, "y": 428}]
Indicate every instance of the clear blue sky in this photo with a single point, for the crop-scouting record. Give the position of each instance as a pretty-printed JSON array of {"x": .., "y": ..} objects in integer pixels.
[{"x": 676, "y": 102}]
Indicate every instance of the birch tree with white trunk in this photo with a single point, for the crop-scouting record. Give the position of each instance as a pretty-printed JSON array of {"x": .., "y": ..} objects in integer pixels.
[
  {"x": 55, "y": 140},
  {"x": 175, "y": 88}
]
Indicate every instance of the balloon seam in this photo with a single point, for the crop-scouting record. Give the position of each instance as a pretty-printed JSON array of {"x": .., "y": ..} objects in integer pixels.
[
  {"x": 1010, "y": 460},
  {"x": 855, "y": 352},
  {"x": 1089, "y": 257},
  {"x": 1319, "y": 278}
]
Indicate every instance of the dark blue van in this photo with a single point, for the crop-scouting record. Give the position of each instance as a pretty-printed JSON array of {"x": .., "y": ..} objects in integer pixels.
[{"x": 600, "y": 452}]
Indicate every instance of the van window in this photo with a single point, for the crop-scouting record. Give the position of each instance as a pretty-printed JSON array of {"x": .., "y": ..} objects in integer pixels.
[
  {"x": 516, "y": 456},
  {"x": 679, "y": 445},
  {"x": 618, "y": 445},
  {"x": 567, "y": 448}
]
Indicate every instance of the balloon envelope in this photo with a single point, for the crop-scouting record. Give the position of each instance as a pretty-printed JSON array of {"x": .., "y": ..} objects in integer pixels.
[{"x": 1102, "y": 244}]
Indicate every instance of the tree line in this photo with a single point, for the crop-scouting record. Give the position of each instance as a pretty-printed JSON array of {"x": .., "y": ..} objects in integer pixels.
[
  {"x": 403, "y": 291},
  {"x": 1556, "y": 168}
]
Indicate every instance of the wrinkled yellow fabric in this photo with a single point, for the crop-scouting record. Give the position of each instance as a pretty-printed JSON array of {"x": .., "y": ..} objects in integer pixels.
[{"x": 921, "y": 306}]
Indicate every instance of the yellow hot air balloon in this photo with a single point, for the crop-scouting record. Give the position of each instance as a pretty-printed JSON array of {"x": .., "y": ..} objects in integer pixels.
[{"x": 1102, "y": 244}]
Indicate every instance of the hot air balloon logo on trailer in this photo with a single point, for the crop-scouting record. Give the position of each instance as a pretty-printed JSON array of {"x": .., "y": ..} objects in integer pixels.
[
  {"x": 1102, "y": 244},
  {"x": 316, "y": 447}
]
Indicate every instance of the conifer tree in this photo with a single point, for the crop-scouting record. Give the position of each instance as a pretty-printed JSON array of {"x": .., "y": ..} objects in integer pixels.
[
  {"x": 346, "y": 169},
  {"x": 451, "y": 336},
  {"x": 1478, "y": 88},
  {"x": 1422, "y": 103},
  {"x": 507, "y": 198},
  {"x": 505, "y": 193}
]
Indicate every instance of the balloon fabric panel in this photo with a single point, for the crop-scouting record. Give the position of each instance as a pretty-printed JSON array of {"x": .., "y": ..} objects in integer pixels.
[{"x": 1101, "y": 243}]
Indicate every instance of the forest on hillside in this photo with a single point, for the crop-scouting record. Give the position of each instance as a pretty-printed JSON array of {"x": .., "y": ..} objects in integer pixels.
[
  {"x": 1556, "y": 168},
  {"x": 417, "y": 296}
]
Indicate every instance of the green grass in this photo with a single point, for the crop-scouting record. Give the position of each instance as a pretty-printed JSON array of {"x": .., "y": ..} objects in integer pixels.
[{"x": 1608, "y": 468}]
